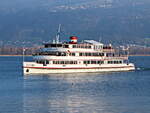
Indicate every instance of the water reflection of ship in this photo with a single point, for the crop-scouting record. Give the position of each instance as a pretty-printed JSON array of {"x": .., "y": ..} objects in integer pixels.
[
  {"x": 88, "y": 94},
  {"x": 57, "y": 94}
]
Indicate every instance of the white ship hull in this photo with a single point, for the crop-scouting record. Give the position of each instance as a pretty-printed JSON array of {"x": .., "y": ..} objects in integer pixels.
[
  {"x": 72, "y": 57},
  {"x": 76, "y": 69}
]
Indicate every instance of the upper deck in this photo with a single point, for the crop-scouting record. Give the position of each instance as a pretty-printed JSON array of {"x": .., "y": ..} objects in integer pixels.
[
  {"x": 85, "y": 46},
  {"x": 85, "y": 50}
]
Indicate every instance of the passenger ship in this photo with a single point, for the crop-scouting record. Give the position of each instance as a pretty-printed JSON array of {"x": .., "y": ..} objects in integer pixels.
[{"x": 76, "y": 57}]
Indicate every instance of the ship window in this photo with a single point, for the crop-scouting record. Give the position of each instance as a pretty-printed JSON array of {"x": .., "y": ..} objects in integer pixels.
[
  {"x": 53, "y": 53},
  {"x": 84, "y": 62},
  {"x": 81, "y": 46},
  {"x": 100, "y": 62},
  {"x": 46, "y": 46},
  {"x": 74, "y": 46},
  {"x": 117, "y": 62},
  {"x": 53, "y": 45},
  {"x": 42, "y": 61},
  {"x": 64, "y": 62},
  {"x": 91, "y": 54},
  {"x": 47, "y": 62},
  {"x": 80, "y": 54},
  {"x": 93, "y": 62},
  {"x": 72, "y": 54},
  {"x": 107, "y": 47},
  {"x": 109, "y": 62},
  {"x": 59, "y": 45},
  {"x": 63, "y": 54},
  {"x": 65, "y": 46},
  {"x": 101, "y": 54}
]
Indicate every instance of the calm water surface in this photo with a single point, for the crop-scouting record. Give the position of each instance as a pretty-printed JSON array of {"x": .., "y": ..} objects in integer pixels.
[{"x": 120, "y": 92}]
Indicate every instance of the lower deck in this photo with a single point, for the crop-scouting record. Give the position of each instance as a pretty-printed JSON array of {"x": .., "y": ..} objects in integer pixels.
[{"x": 33, "y": 68}]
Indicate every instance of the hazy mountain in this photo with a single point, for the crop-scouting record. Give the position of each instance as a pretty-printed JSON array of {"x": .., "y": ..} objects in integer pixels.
[
  {"x": 112, "y": 20},
  {"x": 51, "y": 5}
]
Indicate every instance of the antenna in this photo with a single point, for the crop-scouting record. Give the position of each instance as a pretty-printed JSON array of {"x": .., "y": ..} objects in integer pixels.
[
  {"x": 100, "y": 39},
  {"x": 58, "y": 34}
]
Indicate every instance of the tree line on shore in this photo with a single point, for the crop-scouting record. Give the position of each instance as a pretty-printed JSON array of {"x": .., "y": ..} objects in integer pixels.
[{"x": 31, "y": 50}]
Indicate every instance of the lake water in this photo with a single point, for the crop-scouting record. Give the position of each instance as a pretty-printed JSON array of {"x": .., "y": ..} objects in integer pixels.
[{"x": 119, "y": 92}]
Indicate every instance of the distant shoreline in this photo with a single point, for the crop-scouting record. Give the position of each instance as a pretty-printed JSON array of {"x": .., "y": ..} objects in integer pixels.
[
  {"x": 31, "y": 55},
  {"x": 140, "y": 55},
  {"x": 15, "y": 55}
]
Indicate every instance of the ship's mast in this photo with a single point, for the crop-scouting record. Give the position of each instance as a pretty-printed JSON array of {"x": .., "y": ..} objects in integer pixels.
[
  {"x": 23, "y": 55},
  {"x": 58, "y": 34}
]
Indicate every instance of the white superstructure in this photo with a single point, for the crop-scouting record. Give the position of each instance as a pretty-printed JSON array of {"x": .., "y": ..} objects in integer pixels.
[{"x": 74, "y": 57}]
